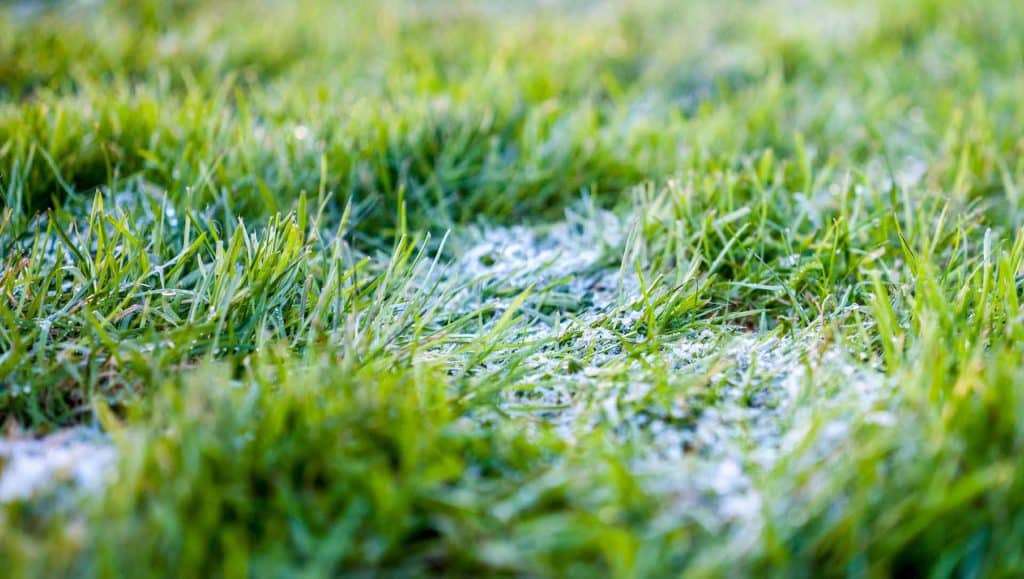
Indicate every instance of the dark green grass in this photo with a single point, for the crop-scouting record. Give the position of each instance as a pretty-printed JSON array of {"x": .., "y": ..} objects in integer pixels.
[{"x": 223, "y": 241}]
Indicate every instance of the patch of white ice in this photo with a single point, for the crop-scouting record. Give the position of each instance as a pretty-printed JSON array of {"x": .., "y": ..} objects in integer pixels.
[{"x": 29, "y": 467}]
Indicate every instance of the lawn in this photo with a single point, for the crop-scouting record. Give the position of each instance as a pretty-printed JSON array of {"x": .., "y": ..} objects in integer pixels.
[{"x": 479, "y": 288}]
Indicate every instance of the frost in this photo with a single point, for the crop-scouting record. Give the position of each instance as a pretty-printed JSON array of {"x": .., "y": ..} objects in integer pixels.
[
  {"x": 79, "y": 457},
  {"x": 519, "y": 257},
  {"x": 706, "y": 412}
]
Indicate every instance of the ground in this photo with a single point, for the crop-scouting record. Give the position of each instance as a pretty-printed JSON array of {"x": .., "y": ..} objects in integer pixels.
[{"x": 545, "y": 288}]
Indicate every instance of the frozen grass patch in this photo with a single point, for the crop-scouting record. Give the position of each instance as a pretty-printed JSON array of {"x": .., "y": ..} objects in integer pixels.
[
  {"x": 79, "y": 459},
  {"x": 707, "y": 414}
]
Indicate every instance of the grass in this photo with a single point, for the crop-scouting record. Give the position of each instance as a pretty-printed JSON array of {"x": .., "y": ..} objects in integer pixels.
[{"x": 545, "y": 289}]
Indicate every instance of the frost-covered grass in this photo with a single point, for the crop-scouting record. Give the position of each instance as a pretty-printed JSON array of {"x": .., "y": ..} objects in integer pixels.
[{"x": 637, "y": 289}]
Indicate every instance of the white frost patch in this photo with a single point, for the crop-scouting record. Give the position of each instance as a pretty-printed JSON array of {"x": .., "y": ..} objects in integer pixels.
[
  {"x": 752, "y": 426},
  {"x": 517, "y": 257},
  {"x": 704, "y": 414},
  {"x": 29, "y": 467}
]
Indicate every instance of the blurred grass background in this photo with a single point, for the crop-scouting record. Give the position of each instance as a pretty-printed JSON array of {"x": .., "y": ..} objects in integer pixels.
[{"x": 478, "y": 109}]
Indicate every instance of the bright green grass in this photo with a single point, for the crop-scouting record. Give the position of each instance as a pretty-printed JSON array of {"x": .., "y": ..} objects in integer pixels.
[{"x": 637, "y": 289}]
